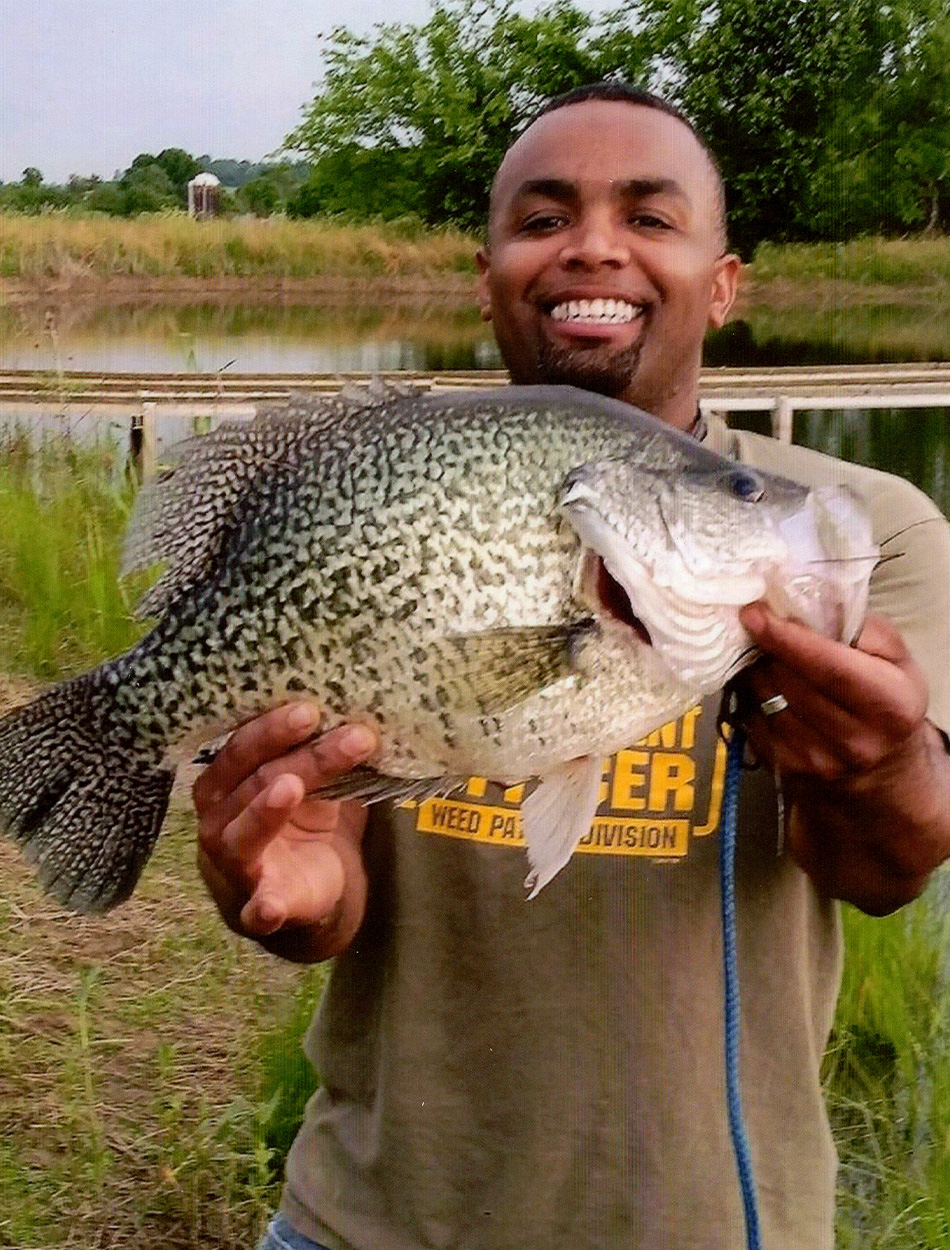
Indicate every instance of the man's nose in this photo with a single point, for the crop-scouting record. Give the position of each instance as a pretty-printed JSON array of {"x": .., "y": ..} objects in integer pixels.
[{"x": 596, "y": 239}]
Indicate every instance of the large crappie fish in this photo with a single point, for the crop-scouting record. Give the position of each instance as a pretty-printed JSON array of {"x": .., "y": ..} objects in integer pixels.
[{"x": 511, "y": 583}]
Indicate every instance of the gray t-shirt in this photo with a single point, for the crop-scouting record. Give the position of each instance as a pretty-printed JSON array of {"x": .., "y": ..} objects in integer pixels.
[{"x": 500, "y": 1074}]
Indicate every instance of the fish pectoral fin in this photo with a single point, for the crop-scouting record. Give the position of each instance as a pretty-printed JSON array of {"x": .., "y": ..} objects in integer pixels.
[
  {"x": 556, "y": 816},
  {"x": 499, "y": 668},
  {"x": 369, "y": 786}
]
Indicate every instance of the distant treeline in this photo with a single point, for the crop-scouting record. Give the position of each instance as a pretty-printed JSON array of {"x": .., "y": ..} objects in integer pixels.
[
  {"x": 830, "y": 118},
  {"x": 154, "y": 184}
]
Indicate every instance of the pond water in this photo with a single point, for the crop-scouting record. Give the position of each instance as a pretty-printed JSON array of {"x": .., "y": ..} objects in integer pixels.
[
  {"x": 291, "y": 338},
  {"x": 285, "y": 338}
]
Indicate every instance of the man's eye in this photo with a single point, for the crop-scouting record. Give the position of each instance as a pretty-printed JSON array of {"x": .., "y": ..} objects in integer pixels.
[
  {"x": 649, "y": 220},
  {"x": 543, "y": 223}
]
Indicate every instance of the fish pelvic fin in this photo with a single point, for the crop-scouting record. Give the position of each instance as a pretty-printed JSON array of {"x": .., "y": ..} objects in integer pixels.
[
  {"x": 556, "y": 816},
  {"x": 82, "y": 804}
]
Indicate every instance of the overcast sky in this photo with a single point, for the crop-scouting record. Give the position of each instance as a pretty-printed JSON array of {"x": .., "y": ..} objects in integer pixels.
[{"x": 86, "y": 85}]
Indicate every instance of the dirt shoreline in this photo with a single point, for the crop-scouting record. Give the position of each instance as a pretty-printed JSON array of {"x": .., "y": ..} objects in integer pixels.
[
  {"x": 119, "y": 289},
  {"x": 453, "y": 289}
]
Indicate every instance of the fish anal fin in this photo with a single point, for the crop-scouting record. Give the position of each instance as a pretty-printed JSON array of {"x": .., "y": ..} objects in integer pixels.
[
  {"x": 370, "y": 786},
  {"x": 557, "y": 815}
]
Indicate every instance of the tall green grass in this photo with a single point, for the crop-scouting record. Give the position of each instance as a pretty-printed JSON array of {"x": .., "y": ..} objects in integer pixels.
[
  {"x": 867, "y": 261},
  {"x": 63, "y": 508},
  {"x": 887, "y": 1079}
]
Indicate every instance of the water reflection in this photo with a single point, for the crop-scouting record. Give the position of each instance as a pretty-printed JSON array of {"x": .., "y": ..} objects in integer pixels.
[
  {"x": 327, "y": 335},
  {"x": 246, "y": 338},
  {"x": 833, "y": 335}
]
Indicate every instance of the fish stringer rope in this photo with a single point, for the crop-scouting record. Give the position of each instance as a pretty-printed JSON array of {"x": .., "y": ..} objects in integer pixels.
[{"x": 731, "y": 1013}]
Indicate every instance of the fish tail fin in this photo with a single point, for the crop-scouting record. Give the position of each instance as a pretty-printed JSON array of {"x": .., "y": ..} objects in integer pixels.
[{"x": 82, "y": 800}]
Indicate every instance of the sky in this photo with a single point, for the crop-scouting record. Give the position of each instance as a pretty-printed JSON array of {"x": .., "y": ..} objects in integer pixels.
[{"x": 86, "y": 85}]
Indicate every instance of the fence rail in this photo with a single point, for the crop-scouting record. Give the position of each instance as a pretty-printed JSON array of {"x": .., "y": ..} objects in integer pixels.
[{"x": 145, "y": 397}]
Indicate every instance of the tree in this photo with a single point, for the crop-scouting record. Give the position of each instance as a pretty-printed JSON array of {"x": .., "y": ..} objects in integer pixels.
[
  {"x": 828, "y": 117},
  {"x": 147, "y": 188},
  {"x": 443, "y": 100},
  {"x": 180, "y": 166},
  {"x": 32, "y": 177}
]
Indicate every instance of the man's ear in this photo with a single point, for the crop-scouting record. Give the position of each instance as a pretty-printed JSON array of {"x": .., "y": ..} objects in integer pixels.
[
  {"x": 724, "y": 288},
  {"x": 483, "y": 265}
]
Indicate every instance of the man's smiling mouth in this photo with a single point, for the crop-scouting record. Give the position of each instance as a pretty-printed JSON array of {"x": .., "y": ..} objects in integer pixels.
[{"x": 596, "y": 311}]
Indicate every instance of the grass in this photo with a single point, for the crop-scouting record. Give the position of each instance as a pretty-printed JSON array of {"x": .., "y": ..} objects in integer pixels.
[
  {"x": 61, "y": 511},
  {"x": 915, "y": 262},
  {"x": 63, "y": 247},
  {"x": 887, "y": 1074},
  {"x": 151, "y": 1077}
]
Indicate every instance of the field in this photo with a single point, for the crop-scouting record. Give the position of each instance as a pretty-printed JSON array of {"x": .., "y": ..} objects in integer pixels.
[
  {"x": 57, "y": 248},
  {"x": 61, "y": 248},
  {"x": 151, "y": 1074}
]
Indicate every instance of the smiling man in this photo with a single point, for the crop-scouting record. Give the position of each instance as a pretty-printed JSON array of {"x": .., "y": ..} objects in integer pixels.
[
  {"x": 500, "y": 1074},
  {"x": 606, "y": 265}
]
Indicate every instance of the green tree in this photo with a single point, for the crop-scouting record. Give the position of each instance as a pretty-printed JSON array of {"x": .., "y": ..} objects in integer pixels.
[
  {"x": 442, "y": 100},
  {"x": 828, "y": 117},
  {"x": 181, "y": 167},
  {"x": 32, "y": 177},
  {"x": 147, "y": 188},
  {"x": 358, "y": 182}
]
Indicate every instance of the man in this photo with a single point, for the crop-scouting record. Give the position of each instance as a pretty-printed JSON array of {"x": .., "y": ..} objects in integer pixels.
[{"x": 505, "y": 1074}]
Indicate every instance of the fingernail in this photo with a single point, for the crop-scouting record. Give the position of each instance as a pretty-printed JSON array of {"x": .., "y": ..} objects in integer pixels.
[
  {"x": 753, "y": 618},
  {"x": 302, "y": 717},
  {"x": 282, "y": 792},
  {"x": 357, "y": 740}
]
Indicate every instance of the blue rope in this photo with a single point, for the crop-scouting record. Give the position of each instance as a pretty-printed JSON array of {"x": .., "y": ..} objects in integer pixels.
[{"x": 727, "y": 881}]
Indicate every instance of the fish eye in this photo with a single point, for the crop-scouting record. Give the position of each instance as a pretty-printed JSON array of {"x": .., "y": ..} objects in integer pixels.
[{"x": 746, "y": 485}]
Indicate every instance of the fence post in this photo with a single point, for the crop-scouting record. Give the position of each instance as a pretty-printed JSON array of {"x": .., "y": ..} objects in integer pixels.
[
  {"x": 782, "y": 415},
  {"x": 142, "y": 452}
]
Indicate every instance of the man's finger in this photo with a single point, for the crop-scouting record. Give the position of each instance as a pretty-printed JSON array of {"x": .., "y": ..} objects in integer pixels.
[
  {"x": 251, "y": 745},
  {"x": 875, "y": 680},
  {"x": 316, "y": 764}
]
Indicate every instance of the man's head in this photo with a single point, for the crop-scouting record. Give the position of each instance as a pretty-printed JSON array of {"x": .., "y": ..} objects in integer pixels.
[{"x": 605, "y": 261}]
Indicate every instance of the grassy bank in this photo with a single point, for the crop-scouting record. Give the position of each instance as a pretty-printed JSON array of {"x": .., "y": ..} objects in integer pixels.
[
  {"x": 58, "y": 247},
  {"x": 902, "y": 263},
  {"x": 61, "y": 247},
  {"x": 150, "y": 1073}
]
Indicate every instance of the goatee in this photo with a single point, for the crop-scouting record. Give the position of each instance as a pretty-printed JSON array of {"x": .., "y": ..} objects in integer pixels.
[{"x": 599, "y": 369}]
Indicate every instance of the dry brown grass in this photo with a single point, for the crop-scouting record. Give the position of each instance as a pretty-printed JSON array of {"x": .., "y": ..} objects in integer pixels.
[
  {"x": 127, "y": 1100},
  {"x": 62, "y": 248}
]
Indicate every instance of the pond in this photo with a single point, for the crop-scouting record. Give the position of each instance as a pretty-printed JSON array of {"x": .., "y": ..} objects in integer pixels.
[{"x": 290, "y": 338}]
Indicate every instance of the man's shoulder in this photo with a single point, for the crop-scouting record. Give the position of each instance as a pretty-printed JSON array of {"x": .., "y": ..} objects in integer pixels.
[{"x": 893, "y": 502}]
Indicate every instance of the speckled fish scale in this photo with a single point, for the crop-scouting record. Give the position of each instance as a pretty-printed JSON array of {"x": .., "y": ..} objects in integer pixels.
[{"x": 411, "y": 561}]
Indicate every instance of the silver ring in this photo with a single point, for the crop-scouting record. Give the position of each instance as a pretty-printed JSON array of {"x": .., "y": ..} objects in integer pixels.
[{"x": 777, "y": 703}]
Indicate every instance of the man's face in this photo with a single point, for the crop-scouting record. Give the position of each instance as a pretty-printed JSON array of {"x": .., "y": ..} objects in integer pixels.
[{"x": 607, "y": 201}]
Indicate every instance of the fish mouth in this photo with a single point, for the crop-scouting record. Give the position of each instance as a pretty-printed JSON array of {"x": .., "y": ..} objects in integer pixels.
[{"x": 599, "y": 590}]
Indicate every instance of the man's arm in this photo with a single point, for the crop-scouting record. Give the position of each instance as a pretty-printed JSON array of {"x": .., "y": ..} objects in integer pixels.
[
  {"x": 866, "y": 777},
  {"x": 284, "y": 868}
]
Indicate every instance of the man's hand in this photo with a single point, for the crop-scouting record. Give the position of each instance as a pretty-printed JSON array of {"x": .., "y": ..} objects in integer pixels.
[
  {"x": 866, "y": 777},
  {"x": 283, "y": 867}
]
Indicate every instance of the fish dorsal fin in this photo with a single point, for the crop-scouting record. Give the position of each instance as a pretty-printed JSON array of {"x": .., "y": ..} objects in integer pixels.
[
  {"x": 181, "y": 518},
  {"x": 376, "y": 391}
]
